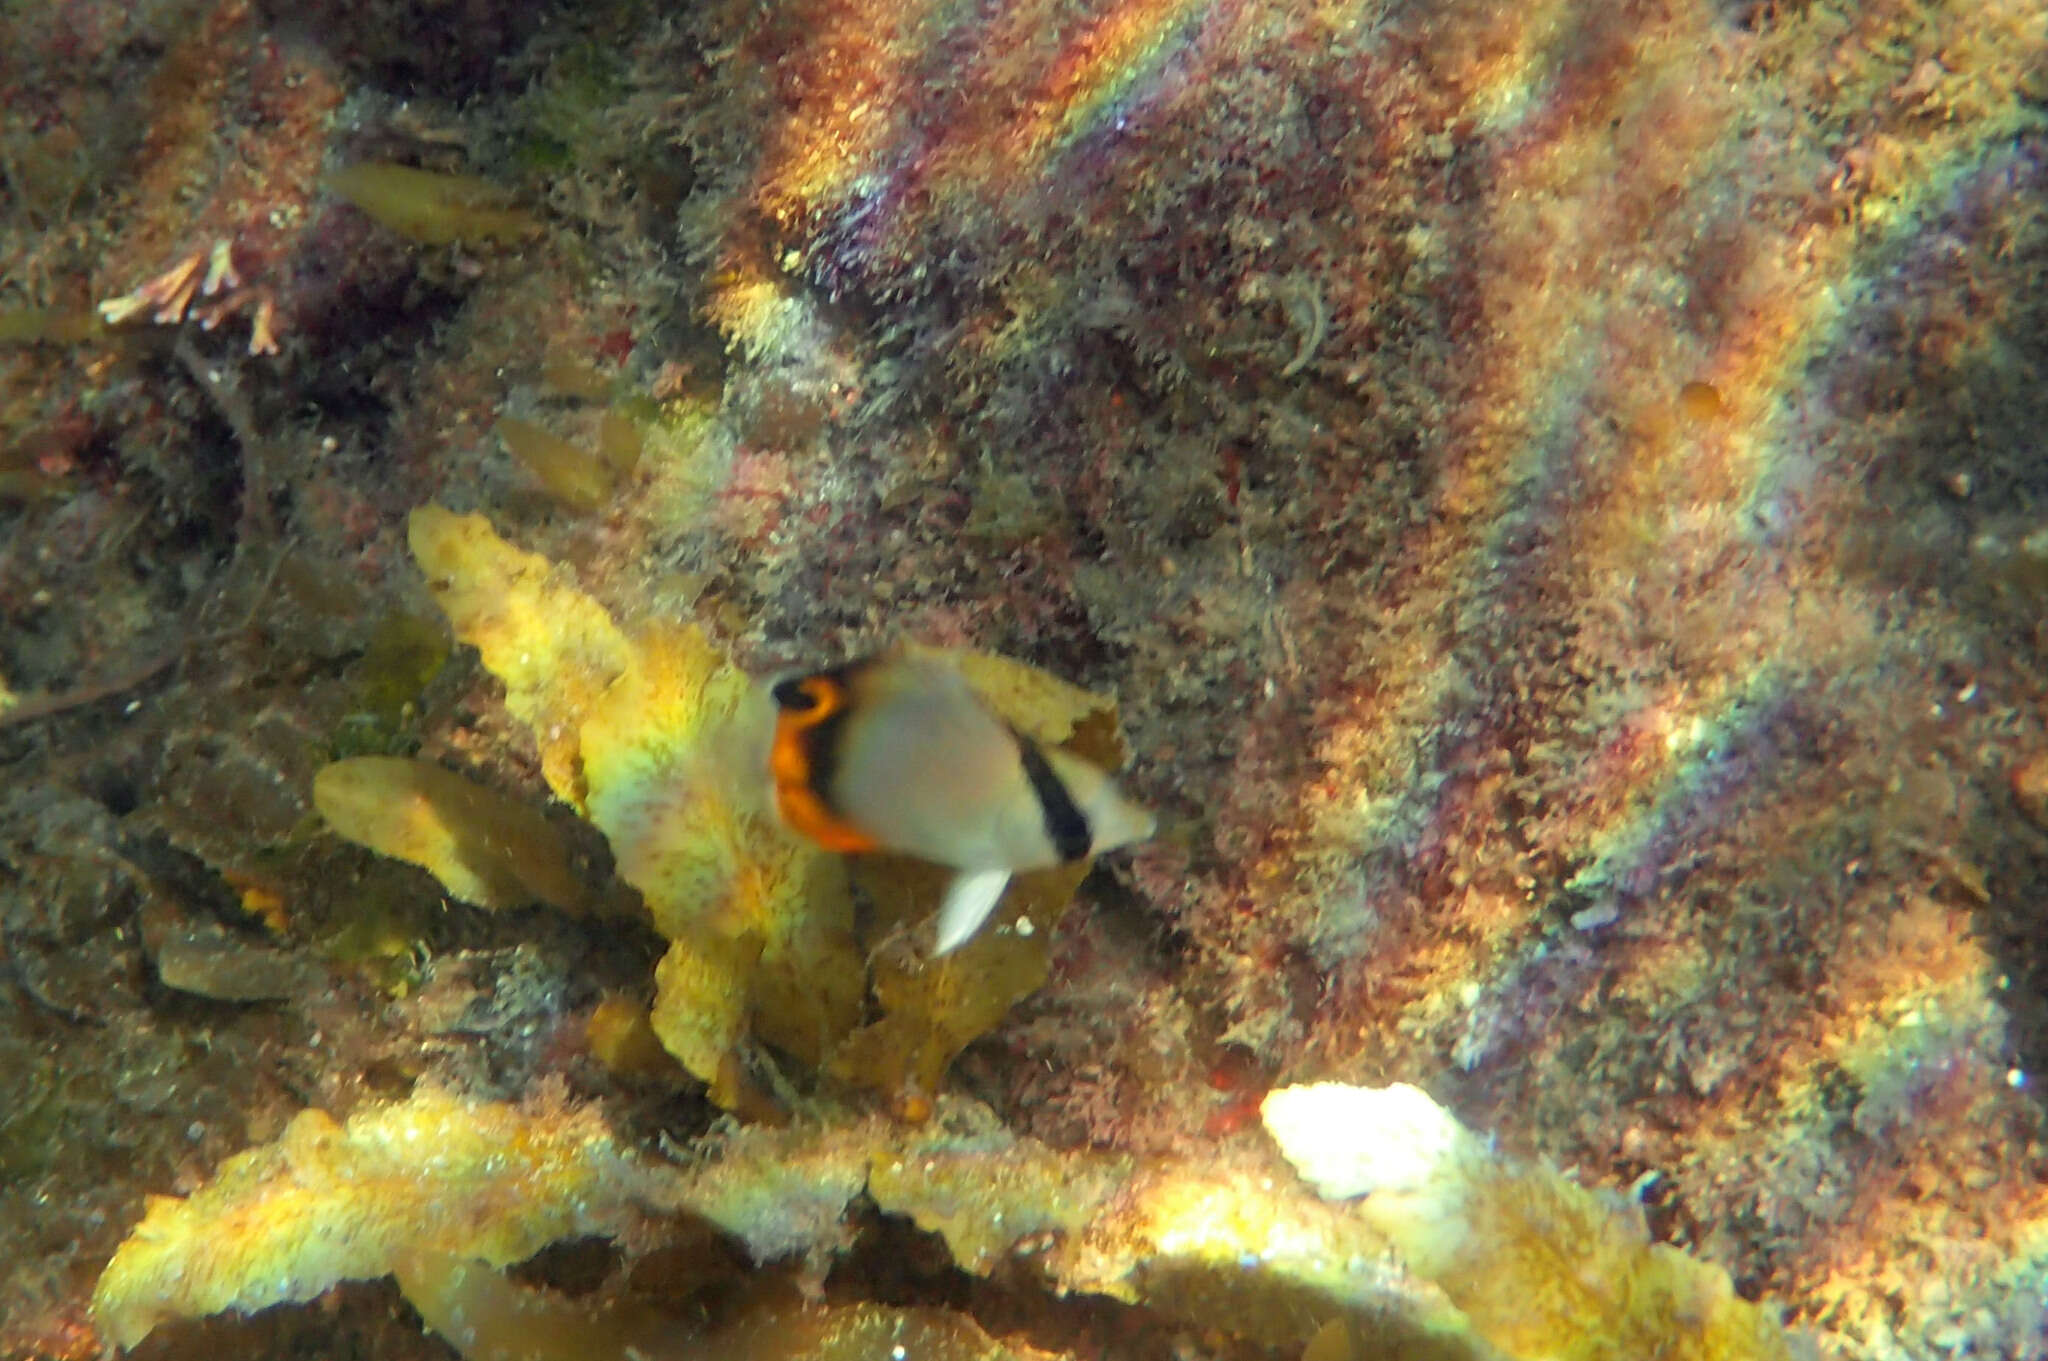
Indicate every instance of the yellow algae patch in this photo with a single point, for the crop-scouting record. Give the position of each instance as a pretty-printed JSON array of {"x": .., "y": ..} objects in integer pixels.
[
  {"x": 656, "y": 740},
  {"x": 554, "y": 647},
  {"x": 810, "y": 981},
  {"x": 1226, "y": 1242},
  {"x": 661, "y": 742},
  {"x": 760, "y": 923},
  {"x": 1452, "y": 1251},
  {"x": 1539, "y": 1265},
  {"x": 701, "y": 1009},
  {"x": 970, "y": 1180},
  {"x": 328, "y": 1203},
  {"x": 665, "y": 763},
  {"x": 485, "y": 1316},
  {"x": 431, "y": 207},
  {"x": 934, "y": 1008},
  {"x": 1225, "y": 1239},
  {"x": 485, "y": 848},
  {"x": 621, "y": 1038},
  {"x": 784, "y": 1191}
]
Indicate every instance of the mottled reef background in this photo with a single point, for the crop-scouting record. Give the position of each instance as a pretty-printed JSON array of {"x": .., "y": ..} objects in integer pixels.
[{"x": 1559, "y": 492}]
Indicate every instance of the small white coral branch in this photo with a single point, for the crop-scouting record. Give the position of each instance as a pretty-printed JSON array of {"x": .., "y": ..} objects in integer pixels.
[{"x": 169, "y": 297}]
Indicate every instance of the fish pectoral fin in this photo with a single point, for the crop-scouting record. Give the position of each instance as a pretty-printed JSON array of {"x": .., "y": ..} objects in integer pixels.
[{"x": 969, "y": 899}]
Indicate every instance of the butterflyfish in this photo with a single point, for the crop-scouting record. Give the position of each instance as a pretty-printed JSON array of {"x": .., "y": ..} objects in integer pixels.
[{"x": 896, "y": 753}]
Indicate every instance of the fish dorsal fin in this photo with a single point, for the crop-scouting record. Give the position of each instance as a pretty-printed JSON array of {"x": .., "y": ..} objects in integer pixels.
[{"x": 970, "y": 897}]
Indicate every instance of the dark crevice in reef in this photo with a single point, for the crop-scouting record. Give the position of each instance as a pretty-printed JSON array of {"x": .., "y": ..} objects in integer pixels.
[{"x": 893, "y": 1262}]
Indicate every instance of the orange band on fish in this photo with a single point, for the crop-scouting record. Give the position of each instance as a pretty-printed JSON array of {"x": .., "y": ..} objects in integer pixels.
[{"x": 806, "y": 711}]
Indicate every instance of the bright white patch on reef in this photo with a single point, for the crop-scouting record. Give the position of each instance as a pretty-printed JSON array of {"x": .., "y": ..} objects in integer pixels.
[{"x": 1350, "y": 1141}]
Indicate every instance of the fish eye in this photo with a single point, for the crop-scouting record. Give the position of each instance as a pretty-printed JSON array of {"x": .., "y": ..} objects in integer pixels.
[{"x": 796, "y": 696}]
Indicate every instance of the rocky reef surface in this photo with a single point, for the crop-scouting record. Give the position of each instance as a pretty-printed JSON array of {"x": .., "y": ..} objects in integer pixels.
[{"x": 1548, "y": 500}]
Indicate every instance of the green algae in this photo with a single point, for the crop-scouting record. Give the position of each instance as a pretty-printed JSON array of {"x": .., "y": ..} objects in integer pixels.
[
  {"x": 432, "y": 208},
  {"x": 31, "y": 1123},
  {"x": 48, "y": 325},
  {"x": 404, "y": 655},
  {"x": 577, "y": 477}
]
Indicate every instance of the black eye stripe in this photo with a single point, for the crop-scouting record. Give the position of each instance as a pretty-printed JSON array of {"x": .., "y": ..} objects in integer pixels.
[
  {"x": 1065, "y": 825},
  {"x": 791, "y": 695}
]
